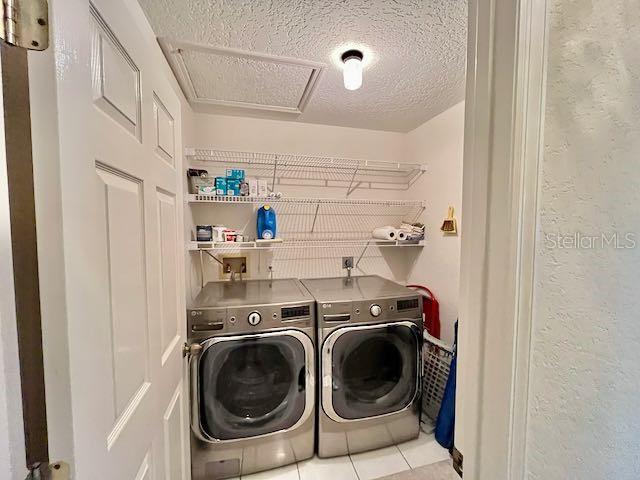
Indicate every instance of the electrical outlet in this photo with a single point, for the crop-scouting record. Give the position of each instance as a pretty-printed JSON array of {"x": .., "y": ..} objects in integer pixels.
[{"x": 347, "y": 262}]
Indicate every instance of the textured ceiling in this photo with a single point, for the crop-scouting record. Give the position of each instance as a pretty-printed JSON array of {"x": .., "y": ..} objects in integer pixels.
[{"x": 414, "y": 53}]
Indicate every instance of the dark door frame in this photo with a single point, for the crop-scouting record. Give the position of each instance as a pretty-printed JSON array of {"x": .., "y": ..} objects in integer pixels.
[{"x": 17, "y": 120}]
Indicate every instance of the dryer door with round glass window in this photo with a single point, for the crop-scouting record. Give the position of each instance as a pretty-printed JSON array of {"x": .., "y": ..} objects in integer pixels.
[
  {"x": 370, "y": 371},
  {"x": 252, "y": 385}
]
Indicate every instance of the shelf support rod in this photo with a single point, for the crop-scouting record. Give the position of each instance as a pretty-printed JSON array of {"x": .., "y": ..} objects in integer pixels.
[
  {"x": 202, "y": 264},
  {"x": 362, "y": 254},
  {"x": 214, "y": 257},
  {"x": 201, "y": 270},
  {"x": 353, "y": 177},
  {"x": 313, "y": 226},
  {"x": 275, "y": 170}
]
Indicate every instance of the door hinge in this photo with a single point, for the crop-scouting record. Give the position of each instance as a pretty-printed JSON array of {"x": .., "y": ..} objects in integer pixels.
[
  {"x": 191, "y": 350},
  {"x": 53, "y": 471},
  {"x": 456, "y": 455},
  {"x": 25, "y": 23}
]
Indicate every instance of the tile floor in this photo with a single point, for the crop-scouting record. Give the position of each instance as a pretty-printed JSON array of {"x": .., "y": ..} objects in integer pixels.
[{"x": 362, "y": 466}]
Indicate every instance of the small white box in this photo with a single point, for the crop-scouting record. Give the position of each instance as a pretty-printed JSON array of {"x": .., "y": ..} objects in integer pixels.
[
  {"x": 253, "y": 187},
  {"x": 262, "y": 188}
]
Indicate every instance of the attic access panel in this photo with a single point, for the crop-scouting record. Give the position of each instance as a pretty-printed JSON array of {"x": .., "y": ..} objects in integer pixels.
[{"x": 226, "y": 77}]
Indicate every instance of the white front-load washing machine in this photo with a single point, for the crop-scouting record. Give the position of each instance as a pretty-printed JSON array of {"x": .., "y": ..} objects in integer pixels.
[
  {"x": 252, "y": 377},
  {"x": 370, "y": 363}
]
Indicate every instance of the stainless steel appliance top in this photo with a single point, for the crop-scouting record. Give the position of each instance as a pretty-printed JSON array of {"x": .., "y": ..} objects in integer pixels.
[
  {"x": 251, "y": 292},
  {"x": 341, "y": 289}
]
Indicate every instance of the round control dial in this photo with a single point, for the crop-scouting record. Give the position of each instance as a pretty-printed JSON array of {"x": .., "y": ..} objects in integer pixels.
[
  {"x": 375, "y": 310},
  {"x": 254, "y": 318}
]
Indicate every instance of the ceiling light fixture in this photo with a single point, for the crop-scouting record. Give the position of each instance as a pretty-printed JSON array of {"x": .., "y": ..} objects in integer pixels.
[{"x": 352, "y": 69}]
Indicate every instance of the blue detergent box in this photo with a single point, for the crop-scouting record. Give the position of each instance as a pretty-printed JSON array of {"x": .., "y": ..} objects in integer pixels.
[
  {"x": 235, "y": 174},
  {"x": 233, "y": 187},
  {"x": 221, "y": 186}
]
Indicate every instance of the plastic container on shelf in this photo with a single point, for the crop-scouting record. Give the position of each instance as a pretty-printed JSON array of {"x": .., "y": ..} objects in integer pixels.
[{"x": 266, "y": 223}]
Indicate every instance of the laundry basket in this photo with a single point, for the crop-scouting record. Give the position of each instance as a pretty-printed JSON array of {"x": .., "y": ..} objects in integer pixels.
[{"x": 437, "y": 357}]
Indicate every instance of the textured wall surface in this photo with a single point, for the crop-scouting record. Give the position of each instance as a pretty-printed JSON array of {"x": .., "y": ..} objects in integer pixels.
[
  {"x": 585, "y": 388},
  {"x": 414, "y": 52},
  {"x": 438, "y": 144}
]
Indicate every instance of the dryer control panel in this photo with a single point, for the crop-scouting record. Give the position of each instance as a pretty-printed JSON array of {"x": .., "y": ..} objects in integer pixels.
[
  {"x": 207, "y": 322},
  {"x": 376, "y": 310}
]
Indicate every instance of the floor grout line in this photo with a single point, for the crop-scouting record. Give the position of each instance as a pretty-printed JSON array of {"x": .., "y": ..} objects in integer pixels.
[
  {"x": 353, "y": 465},
  {"x": 404, "y": 458}
]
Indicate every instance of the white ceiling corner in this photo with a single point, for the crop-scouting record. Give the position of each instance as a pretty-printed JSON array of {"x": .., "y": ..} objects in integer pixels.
[{"x": 251, "y": 57}]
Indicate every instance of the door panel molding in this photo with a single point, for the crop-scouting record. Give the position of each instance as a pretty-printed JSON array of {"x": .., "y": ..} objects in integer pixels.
[
  {"x": 174, "y": 444},
  {"x": 116, "y": 95},
  {"x": 126, "y": 257}
]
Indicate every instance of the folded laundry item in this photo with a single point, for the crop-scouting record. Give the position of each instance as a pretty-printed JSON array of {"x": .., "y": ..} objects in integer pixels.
[
  {"x": 412, "y": 227},
  {"x": 412, "y": 232}
]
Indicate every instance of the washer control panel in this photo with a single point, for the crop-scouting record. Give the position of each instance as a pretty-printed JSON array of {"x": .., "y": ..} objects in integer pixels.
[{"x": 254, "y": 318}]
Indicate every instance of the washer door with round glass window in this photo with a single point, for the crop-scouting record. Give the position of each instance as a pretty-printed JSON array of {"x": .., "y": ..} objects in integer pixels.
[
  {"x": 252, "y": 385},
  {"x": 371, "y": 370}
]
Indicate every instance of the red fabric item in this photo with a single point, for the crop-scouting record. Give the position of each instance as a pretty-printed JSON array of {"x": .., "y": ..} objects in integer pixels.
[{"x": 431, "y": 309}]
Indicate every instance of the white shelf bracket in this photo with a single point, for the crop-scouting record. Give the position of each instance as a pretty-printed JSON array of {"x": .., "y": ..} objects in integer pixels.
[
  {"x": 202, "y": 282},
  {"x": 275, "y": 171},
  {"x": 315, "y": 217},
  {"x": 201, "y": 269},
  {"x": 353, "y": 187},
  {"x": 362, "y": 254}
]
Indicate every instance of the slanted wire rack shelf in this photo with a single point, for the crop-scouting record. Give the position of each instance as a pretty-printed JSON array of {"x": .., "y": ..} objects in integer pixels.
[
  {"x": 297, "y": 244},
  {"x": 324, "y": 221},
  {"x": 290, "y": 169}
]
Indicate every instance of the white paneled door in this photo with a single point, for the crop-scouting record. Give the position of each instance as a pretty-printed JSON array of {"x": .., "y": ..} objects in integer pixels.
[{"x": 118, "y": 120}]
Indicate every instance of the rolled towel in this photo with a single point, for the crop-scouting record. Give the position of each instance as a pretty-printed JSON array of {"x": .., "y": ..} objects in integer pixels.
[{"x": 385, "y": 233}]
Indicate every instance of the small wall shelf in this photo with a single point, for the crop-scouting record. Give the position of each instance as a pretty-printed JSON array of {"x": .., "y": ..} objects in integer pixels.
[{"x": 329, "y": 171}]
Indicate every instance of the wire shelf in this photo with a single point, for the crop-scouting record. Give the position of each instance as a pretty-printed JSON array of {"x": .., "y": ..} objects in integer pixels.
[
  {"x": 199, "y": 198},
  {"x": 297, "y": 244},
  {"x": 317, "y": 219},
  {"x": 331, "y": 171}
]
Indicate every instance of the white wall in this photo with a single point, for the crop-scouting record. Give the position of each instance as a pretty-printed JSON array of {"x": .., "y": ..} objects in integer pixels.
[
  {"x": 250, "y": 134},
  {"x": 584, "y": 393},
  {"x": 439, "y": 145}
]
